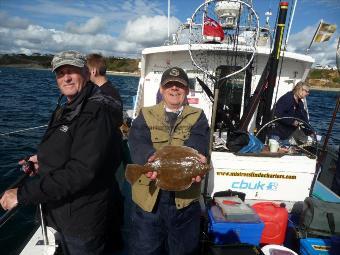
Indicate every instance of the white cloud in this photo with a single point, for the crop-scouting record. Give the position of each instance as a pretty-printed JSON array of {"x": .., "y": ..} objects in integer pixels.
[
  {"x": 39, "y": 39},
  {"x": 324, "y": 53},
  {"x": 149, "y": 31},
  {"x": 113, "y": 29},
  {"x": 12, "y": 22},
  {"x": 94, "y": 25}
]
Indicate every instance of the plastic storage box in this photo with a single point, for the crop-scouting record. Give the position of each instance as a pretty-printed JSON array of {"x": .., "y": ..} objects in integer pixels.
[
  {"x": 231, "y": 232},
  {"x": 315, "y": 246}
]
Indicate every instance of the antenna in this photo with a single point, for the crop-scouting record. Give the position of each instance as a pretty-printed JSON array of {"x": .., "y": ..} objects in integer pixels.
[
  {"x": 290, "y": 23},
  {"x": 168, "y": 20},
  {"x": 268, "y": 14}
]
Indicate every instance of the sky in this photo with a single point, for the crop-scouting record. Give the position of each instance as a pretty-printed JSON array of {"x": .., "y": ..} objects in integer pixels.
[{"x": 125, "y": 27}]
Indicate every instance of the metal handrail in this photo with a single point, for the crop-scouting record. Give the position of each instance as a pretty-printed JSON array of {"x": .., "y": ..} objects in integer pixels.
[{"x": 281, "y": 118}]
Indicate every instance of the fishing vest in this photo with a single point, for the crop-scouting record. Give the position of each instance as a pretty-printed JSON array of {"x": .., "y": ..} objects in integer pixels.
[{"x": 144, "y": 191}]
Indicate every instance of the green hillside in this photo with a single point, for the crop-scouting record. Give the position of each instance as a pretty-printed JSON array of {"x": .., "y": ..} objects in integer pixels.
[
  {"x": 44, "y": 61},
  {"x": 324, "y": 78}
]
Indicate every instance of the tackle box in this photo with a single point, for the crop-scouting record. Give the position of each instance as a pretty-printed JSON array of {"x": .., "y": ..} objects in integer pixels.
[
  {"x": 315, "y": 246},
  {"x": 222, "y": 231}
]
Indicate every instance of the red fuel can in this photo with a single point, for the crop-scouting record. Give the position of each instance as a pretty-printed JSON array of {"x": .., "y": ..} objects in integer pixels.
[{"x": 275, "y": 218}]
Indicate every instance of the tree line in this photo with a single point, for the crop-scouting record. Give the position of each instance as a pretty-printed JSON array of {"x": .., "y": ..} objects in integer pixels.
[{"x": 44, "y": 61}]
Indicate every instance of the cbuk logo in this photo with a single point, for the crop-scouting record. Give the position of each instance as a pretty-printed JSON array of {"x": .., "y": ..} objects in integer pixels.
[{"x": 259, "y": 185}]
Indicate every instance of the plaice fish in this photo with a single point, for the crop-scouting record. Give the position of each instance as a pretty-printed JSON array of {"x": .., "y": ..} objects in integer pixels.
[{"x": 175, "y": 166}]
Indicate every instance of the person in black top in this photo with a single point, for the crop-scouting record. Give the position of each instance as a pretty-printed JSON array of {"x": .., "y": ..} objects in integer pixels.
[
  {"x": 290, "y": 105},
  {"x": 97, "y": 67},
  {"x": 75, "y": 162},
  {"x": 96, "y": 64}
]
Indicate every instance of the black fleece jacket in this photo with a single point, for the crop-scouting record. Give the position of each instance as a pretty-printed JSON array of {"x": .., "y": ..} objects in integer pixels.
[{"x": 77, "y": 158}]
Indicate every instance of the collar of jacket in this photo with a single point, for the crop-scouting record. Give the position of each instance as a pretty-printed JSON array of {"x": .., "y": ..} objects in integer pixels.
[
  {"x": 159, "y": 111},
  {"x": 90, "y": 92},
  {"x": 73, "y": 108}
]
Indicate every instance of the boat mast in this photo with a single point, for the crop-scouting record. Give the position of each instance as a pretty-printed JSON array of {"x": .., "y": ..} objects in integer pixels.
[
  {"x": 168, "y": 21},
  {"x": 263, "y": 94},
  {"x": 338, "y": 55},
  {"x": 265, "y": 115}
]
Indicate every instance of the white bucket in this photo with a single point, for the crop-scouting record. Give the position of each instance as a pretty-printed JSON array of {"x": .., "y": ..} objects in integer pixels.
[{"x": 272, "y": 249}]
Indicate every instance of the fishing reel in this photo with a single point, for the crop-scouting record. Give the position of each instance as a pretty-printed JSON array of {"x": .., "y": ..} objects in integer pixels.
[{"x": 28, "y": 166}]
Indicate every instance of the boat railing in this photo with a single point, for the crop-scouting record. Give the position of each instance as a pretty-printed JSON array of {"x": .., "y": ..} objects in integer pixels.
[
  {"x": 246, "y": 33},
  {"x": 139, "y": 98}
]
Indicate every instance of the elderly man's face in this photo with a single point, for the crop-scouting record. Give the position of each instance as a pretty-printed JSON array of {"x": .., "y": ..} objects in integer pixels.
[
  {"x": 174, "y": 94},
  {"x": 71, "y": 80}
]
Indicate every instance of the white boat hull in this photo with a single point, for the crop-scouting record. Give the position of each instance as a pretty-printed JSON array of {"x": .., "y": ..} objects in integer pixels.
[
  {"x": 36, "y": 245},
  {"x": 286, "y": 179}
]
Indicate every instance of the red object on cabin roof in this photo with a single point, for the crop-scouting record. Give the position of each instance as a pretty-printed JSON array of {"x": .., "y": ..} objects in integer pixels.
[{"x": 211, "y": 28}]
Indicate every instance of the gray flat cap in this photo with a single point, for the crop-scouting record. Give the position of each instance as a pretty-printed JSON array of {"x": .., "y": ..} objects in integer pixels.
[{"x": 70, "y": 57}]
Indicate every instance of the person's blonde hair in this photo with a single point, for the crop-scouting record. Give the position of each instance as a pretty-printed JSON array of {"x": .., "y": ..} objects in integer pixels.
[{"x": 299, "y": 86}]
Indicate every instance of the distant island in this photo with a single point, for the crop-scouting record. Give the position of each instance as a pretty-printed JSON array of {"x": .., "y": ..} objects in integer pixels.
[
  {"x": 321, "y": 78},
  {"x": 114, "y": 64},
  {"x": 317, "y": 78}
]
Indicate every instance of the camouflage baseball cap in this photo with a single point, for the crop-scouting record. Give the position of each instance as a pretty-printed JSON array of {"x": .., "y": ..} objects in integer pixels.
[{"x": 70, "y": 57}]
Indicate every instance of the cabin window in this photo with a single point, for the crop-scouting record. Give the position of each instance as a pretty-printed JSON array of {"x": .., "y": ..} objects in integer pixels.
[
  {"x": 192, "y": 85},
  {"x": 229, "y": 99}
]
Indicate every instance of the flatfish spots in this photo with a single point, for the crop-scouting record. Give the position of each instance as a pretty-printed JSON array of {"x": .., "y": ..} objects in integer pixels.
[{"x": 175, "y": 166}]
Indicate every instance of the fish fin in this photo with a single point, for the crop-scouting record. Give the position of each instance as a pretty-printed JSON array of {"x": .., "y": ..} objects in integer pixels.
[{"x": 133, "y": 172}]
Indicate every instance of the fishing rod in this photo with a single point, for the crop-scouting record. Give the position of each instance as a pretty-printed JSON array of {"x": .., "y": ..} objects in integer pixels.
[
  {"x": 28, "y": 169},
  {"x": 22, "y": 130}
]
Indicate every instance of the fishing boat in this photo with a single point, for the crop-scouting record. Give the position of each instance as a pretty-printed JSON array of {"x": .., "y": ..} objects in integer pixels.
[
  {"x": 237, "y": 71},
  {"x": 234, "y": 65}
]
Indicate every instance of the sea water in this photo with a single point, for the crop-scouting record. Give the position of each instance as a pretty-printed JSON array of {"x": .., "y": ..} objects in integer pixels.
[{"x": 27, "y": 100}]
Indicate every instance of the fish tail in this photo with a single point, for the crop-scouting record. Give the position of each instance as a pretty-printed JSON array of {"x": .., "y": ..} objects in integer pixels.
[{"x": 133, "y": 172}]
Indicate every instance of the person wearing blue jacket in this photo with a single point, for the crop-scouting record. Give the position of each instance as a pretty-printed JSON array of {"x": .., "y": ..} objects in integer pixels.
[{"x": 290, "y": 105}]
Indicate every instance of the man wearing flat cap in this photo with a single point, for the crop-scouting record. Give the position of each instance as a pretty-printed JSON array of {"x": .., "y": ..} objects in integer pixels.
[
  {"x": 75, "y": 161},
  {"x": 166, "y": 222}
]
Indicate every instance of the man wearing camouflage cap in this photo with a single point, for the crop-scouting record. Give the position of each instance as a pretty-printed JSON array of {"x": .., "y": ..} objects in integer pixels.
[
  {"x": 75, "y": 160},
  {"x": 167, "y": 222}
]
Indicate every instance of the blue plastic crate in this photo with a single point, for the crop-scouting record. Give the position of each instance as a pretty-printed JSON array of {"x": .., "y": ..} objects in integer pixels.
[
  {"x": 315, "y": 246},
  {"x": 235, "y": 232}
]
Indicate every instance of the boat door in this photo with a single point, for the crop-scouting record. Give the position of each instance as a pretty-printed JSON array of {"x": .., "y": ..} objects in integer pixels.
[{"x": 230, "y": 98}]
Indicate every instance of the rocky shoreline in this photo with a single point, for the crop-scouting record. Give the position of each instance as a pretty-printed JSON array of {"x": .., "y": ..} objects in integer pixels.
[
  {"x": 122, "y": 73},
  {"x": 324, "y": 88}
]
